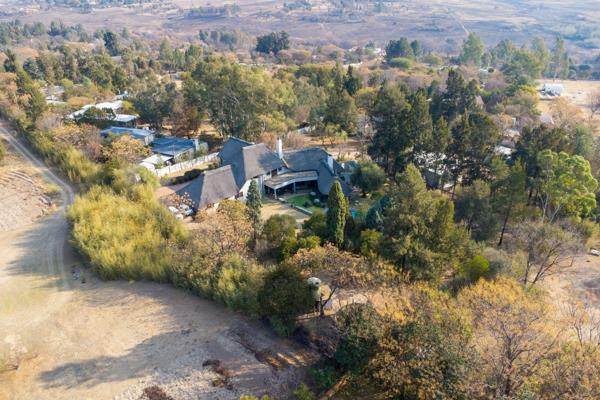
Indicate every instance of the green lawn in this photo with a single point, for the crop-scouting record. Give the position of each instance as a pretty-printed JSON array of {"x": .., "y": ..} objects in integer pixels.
[{"x": 301, "y": 200}]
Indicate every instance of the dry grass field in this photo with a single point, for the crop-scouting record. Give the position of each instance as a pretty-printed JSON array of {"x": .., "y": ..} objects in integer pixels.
[
  {"x": 439, "y": 24},
  {"x": 577, "y": 93}
]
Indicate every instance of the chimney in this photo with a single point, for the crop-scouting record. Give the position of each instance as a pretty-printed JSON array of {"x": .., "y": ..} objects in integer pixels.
[
  {"x": 330, "y": 162},
  {"x": 279, "y": 146}
]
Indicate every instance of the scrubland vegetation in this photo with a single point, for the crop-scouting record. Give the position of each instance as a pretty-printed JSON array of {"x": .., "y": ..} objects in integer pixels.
[{"x": 451, "y": 252}]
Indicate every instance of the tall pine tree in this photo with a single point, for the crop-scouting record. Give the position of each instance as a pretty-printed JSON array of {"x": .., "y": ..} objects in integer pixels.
[
  {"x": 337, "y": 213},
  {"x": 253, "y": 206}
]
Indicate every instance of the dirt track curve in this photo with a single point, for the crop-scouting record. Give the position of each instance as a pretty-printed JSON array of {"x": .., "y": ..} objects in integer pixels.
[{"x": 62, "y": 337}]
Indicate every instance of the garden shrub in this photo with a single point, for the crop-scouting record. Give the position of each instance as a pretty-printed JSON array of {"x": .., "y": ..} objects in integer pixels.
[
  {"x": 362, "y": 328},
  {"x": 284, "y": 296},
  {"x": 302, "y": 392},
  {"x": 401, "y": 62},
  {"x": 291, "y": 245},
  {"x": 237, "y": 284},
  {"x": 475, "y": 269},
  {"x": 325, "y": 377},
  {"x": 187, "y": 176}
]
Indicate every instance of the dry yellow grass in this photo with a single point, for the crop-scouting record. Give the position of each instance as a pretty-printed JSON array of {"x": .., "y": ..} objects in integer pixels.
[{"x": 577, "y": 93}]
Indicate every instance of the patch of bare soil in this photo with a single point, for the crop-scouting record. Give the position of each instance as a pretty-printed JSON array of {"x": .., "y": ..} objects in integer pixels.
[
  {"x": 24, "y": 196},
  {"x": 579, "y": 95},
  {"x": 580, "y": 282}
]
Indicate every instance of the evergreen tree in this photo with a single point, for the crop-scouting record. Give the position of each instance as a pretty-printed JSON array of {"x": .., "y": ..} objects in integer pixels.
[
  {"x": 274, "y": 42},
  {"x": 36, "y": 103},
  {"x": 559, "y": 63},
  {"x": 340, "y": 109},
  {"x": 10, "y": 64},
  {"x": 30, "y": 66},
  {"x": 369, "y": 177},
  {"x": 387, "y": 114},
  {"x": 474, "y": 137},
  {"x": 253, "y": 206},
  {"x": 111, "y": 42},
  {"x": 472, "y": 51},
  {"x": 474, "y": 209},
  {"x": 352, "y": 82},
  {"x": 416, "y": 49},
  {"x": 337, "y": 213},
  {"x": 458, "y": 98},
  {"x": 419, "y": 126},
  {"x": 539, "y": 48},
  {"x": 398, "y": 48},
  {"x": 419, "y": 235}
]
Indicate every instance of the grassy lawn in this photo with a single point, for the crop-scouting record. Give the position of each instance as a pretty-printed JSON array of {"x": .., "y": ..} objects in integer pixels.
[
  {"x": 271, "y": 208},
  {"x": 301, "y": 200}
]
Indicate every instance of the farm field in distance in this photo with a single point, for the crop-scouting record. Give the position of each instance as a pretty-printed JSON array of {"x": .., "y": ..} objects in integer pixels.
[{"x": 438, "y": 24}]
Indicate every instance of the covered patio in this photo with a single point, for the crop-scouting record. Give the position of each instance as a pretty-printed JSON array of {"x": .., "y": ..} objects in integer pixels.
[{"x": 303, "y": 180}]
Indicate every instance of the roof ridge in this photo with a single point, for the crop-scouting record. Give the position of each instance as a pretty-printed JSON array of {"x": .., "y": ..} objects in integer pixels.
[
  {"x": 240, "y": 140},
  {"x": 217, "y": 170},
  {"x": 306, "y": 149}
]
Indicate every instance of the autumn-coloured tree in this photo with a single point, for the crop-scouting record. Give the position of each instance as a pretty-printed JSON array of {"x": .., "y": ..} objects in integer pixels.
[
  {"x": 226, "y": 231},
  {"x": 549, "y": 249},
  {"x": 512, "y": 334},
  {"x": 125, "y": 148},
  {"x": 428, "y": 354}
]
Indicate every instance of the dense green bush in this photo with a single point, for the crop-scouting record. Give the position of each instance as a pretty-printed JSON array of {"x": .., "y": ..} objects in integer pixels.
[
  {"x": 368, "y": 176},
  {"x": 187, "y": 176},
  {"x": 278, "y": 227},
  {"x": 291, "y": 245},
  {"x": 368, "y": 243},
  {"x": 401, "y": 62},
  {"x": 123, "y": 237},
  {"x": 475, "y": 269},
  {"x": 325, "y": 377},
  {"x": 238, "y": 283},
  {"x": 284, "y": 296},
  {"x": 72, "y": 162},
  {"x": 303, "y": 392},
  {"x": 315, "y": 225},
  {"x": 362, "y": 328}
]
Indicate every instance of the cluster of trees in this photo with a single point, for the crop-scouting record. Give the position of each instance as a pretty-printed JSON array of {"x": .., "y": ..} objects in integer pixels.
[
  {"x": 68, "y": 67},
  {"x": 12, "y": 32},
  {"x": 219, "y": 39},
  {"x": 273, "y": 43},
  {"x": 526, "y": 63},
  {"x": 400, "y": 52}
]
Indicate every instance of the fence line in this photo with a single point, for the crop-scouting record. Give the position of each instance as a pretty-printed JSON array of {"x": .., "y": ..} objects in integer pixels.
[{"x": 169, "y": 169}]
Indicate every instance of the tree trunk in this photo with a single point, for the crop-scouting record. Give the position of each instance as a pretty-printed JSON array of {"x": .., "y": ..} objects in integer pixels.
[
  {"x": 333, "y": 391},
  {"x": 504, "y": 227}
]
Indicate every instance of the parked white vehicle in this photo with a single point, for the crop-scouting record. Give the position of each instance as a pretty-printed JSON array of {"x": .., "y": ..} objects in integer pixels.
[
  {"x": 595, "y": 252},
  {"x": 186, "y": 210}
]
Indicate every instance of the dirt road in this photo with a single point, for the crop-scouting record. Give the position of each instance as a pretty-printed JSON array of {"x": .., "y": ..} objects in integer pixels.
[{"x": 64, "y": 337}]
